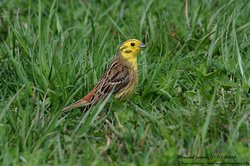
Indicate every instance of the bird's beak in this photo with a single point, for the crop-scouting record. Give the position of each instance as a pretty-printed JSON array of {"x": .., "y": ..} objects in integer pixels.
[{"x": 142, "y": 45}]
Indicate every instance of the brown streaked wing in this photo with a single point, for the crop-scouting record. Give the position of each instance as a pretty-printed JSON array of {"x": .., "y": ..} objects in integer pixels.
[{"x": 114, "y": 79}]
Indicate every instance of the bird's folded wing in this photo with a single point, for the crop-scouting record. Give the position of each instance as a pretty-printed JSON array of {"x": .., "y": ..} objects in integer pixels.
[{"x": 115, "y": 78}]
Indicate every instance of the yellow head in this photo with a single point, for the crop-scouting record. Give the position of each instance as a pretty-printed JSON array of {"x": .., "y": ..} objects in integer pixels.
[{"x": 130, "y": 49}]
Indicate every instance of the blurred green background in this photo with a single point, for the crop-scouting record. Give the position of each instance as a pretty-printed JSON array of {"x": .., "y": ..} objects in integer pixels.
[{"x": 192, "y": 97}]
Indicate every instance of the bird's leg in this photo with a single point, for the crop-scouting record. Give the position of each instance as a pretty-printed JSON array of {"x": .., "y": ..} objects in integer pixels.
[{"x": 85, "y": 109}]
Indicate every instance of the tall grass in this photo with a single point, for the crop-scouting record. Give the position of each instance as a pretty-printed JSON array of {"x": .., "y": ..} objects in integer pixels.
[{"x": 193, "y": 91}]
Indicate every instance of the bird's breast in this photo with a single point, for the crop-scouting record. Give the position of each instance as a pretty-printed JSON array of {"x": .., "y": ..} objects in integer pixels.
[{"x": 129, "y": 88}]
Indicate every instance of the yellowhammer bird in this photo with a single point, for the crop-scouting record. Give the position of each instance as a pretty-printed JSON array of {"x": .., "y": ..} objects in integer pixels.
[{"x": 119, "y": 79}]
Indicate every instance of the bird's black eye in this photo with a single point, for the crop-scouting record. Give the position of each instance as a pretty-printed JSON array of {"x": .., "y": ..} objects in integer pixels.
[{"x": 132, "y": 44}]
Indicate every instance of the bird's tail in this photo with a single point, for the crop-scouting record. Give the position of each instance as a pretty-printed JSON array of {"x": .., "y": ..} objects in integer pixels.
[
  {"x": 82, "y": 102},
  {"x": 79, "y": 103}
]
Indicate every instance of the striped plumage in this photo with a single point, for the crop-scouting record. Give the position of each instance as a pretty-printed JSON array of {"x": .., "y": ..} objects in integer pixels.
[{"x": 119, "y": 79}]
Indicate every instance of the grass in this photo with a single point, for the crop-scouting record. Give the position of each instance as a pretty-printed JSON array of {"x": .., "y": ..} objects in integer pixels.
[{"x": 192, "y": 98}]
